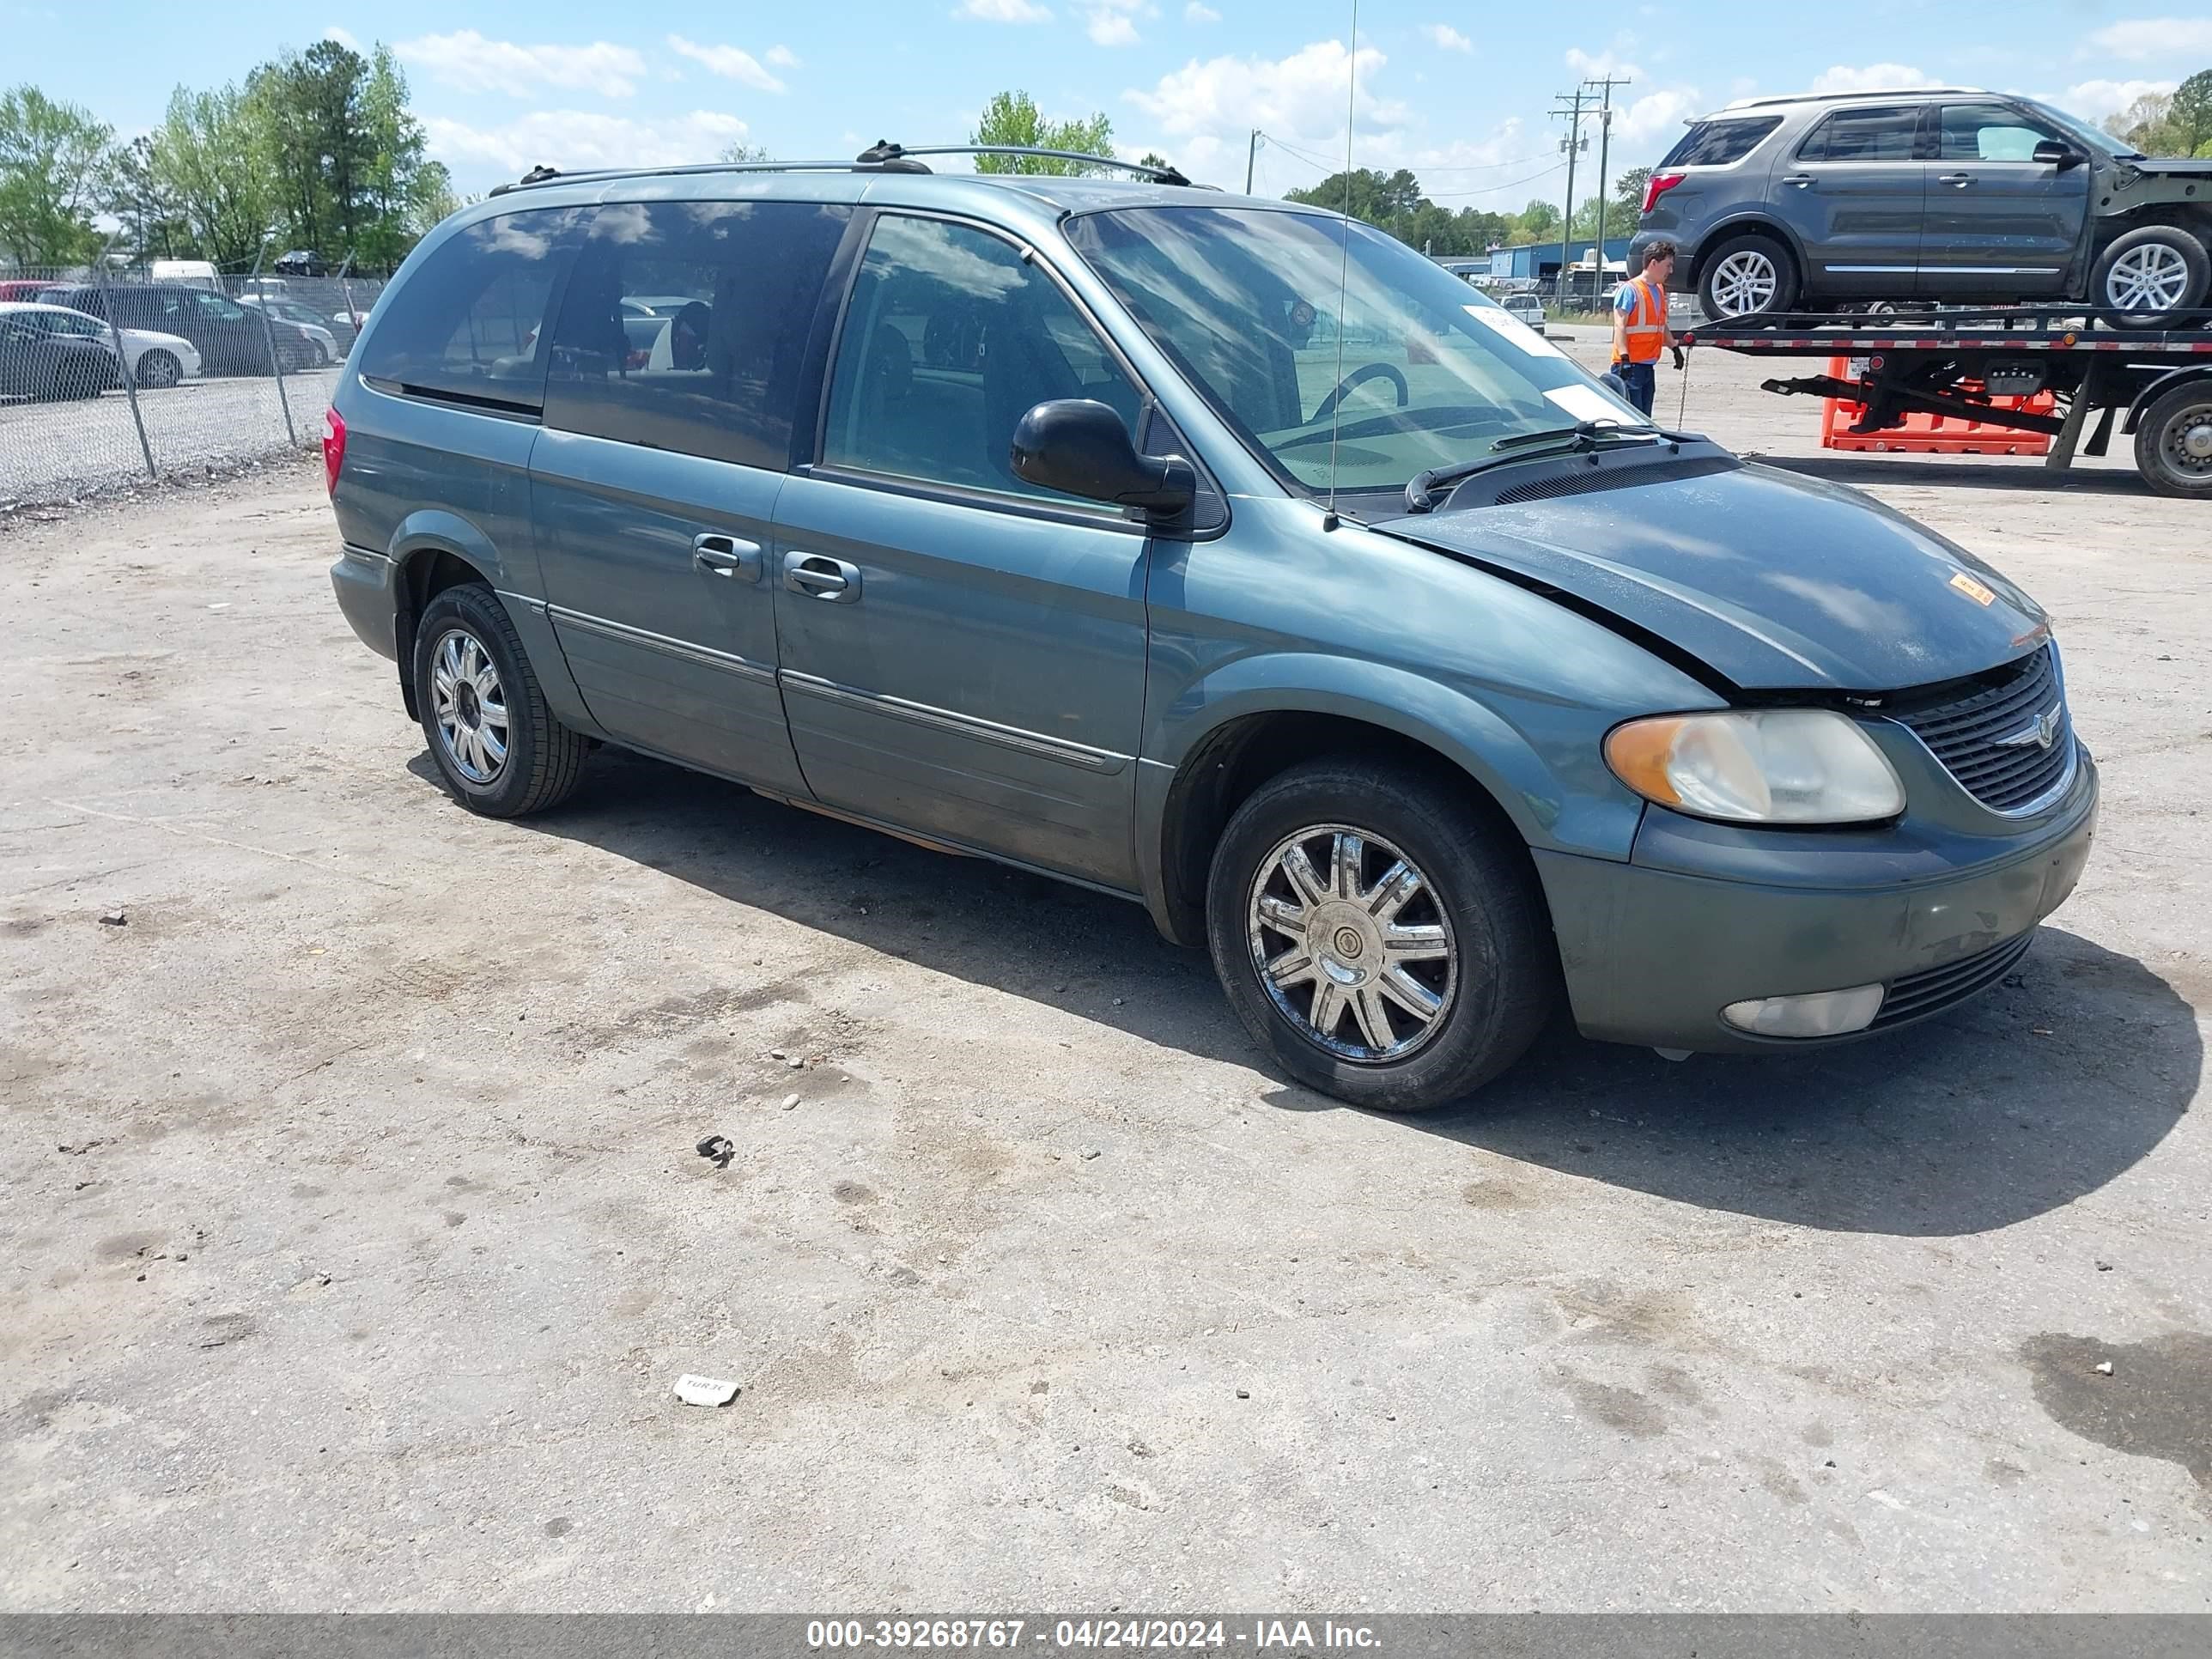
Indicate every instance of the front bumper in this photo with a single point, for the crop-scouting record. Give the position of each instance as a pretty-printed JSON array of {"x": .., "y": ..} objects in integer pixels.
[{"x": 1652, "y": 956}]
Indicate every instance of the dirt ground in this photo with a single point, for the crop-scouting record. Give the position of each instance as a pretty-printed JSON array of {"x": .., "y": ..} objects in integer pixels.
[{"x": 354, "y": 1236}]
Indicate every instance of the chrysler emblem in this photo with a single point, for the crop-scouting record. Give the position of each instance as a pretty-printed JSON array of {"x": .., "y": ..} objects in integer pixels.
[{"x": 2039, "y": 731}]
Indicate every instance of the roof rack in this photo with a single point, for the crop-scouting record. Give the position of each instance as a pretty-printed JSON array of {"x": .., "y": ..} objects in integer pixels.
[
  {"x": 882, "y": 157},
  {"x": 1868, "y": 92}
]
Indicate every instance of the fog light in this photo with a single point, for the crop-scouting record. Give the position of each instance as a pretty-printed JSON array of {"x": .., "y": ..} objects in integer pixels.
[{"x": 1817, "y": 1014}]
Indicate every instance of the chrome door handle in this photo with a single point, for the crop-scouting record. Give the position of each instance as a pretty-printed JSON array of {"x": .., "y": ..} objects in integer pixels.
[
  {"x": 1799, "y": 180},
  {"x": 726, "y": 556},
  {"x": 819, "y": 577},
  {"x": 1960, "y": 180}
]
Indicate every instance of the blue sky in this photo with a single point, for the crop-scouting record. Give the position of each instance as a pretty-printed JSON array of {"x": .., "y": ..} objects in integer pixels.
[{"x": 1457, "y": 92}]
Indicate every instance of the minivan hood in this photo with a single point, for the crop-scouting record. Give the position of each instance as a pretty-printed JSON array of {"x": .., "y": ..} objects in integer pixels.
[{"x": 1773, "y": 582}]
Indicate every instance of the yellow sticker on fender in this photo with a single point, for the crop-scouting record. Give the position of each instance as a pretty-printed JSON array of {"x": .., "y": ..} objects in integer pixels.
[{"x": 1973, "y": 590}]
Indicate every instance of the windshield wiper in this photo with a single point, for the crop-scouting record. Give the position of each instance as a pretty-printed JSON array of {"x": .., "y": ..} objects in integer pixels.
[{"x": 1420, "y": 496}]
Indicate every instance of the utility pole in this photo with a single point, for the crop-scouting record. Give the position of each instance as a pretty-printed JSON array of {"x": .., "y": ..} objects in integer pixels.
[
  {"x": 1573, "y": 115},
  {"x": 1251, "y": 154},
  {"x": 1604, "y": 144}
]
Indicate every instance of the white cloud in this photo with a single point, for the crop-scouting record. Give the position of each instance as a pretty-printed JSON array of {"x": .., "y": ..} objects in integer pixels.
[
  {"x": 1593, "y": 66},
  {"x": 1003, "y": 11},
  {"x": 1870, "y": 77},
  {"x": 343, "y": 37},
  {"x": 572, "y": 140},
  {"x": 727, "y": 61},
  {"x": 783, "y": 56},
  {"x": 1112, "y": 28},
  {"x": 2097, "y": 99},
  {"x": 1298, "y": 97},
  {"x": 2147, "y": 39},
  {"x": 1196, "y": 12},
  {"x": 466, "y": 60},
  {"x": 1655, "y": 113},
  {"x": 1447, "y": 38}
]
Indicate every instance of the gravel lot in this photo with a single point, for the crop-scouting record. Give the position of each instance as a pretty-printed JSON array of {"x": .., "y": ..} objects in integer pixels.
[
  {"x": 353, "y": 1236},
  {"x": 52, "y": 452}
]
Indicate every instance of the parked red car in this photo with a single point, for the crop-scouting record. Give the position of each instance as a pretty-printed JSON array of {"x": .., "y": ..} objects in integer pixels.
[{"x": 22, "y": 288}]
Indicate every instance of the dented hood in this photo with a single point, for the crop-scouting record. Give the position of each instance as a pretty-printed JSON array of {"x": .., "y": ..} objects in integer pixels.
[{"x": 1773, "y": 582}]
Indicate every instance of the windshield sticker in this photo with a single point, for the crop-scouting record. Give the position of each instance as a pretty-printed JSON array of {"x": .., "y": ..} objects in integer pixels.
[
  {"x": 1512, "y": 330},
  {"x": 1587, "y": 403}
]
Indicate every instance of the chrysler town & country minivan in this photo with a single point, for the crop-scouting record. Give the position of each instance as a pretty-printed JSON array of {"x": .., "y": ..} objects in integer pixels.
[{"x": 1217, "y": 553}]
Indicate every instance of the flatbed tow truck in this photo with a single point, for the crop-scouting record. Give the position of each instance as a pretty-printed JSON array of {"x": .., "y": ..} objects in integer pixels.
[{"x": 2155, "y": 385}]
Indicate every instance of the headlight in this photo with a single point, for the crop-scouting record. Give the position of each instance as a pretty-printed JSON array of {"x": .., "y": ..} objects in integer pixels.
[{"x": 1759, "y": 766}]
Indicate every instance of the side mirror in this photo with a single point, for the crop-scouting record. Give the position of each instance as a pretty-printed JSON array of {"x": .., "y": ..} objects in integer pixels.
[
  {"x": 1080, "y": 446},
  {"x": 1612, "y": 382},
  {"x": 2052, "y": 154}
]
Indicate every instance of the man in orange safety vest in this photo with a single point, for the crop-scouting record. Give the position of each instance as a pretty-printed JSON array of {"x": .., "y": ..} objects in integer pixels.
[{"x": 1640, "y": 325}]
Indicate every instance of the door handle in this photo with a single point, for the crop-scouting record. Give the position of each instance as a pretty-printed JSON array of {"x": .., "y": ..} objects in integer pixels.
[
  {"x": 1958, "y": 180},
  {"x": 726, "y": 556},
  {"x": 819, "y": 577},
  {"x": 1799, "y": 180}
]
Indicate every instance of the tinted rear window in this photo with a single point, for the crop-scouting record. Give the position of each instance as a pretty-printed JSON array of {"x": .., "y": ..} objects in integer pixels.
[
  {"x": 468, "y": 321},
  {"x": 684, "y": 324},
  {"x": 1716, "y": 144}
]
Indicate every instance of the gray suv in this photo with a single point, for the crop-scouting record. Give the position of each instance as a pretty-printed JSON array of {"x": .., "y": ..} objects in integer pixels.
[
  {"x": 1215, "y": 553},
  {"x": 1943, "y": 194}
]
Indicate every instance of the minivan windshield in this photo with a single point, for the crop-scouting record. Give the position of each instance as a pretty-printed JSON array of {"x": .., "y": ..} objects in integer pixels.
[{"x": 1426, "y": 371}]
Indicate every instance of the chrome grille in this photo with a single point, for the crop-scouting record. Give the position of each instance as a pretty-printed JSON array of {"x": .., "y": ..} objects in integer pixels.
[
  {"x": 1968, "y": 733},
  {"x": 1915, "y": 996}
]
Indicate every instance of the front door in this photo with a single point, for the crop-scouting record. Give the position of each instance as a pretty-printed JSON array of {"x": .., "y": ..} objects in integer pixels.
[
  {"x": 2000, "y": 224},
  {"x": 964, "y": 653},
  {"x": 669, "y": 407},
  {"x": 1855, "y": 192}
]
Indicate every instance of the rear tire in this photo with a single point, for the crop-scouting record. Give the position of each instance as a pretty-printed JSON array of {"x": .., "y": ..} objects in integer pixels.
[
  {"x": 1431, "y": 990},
  {"x": 1747, "y": 279},
  {"x": 2144, "y": 278},
  {"x": 159, "y": 370},
  {"x": 2173, "y": 443},
  {"x": 496, "y": 743}
]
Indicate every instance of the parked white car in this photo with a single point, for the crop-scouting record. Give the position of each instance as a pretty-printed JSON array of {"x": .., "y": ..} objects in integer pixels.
[
  {"x": 155, "y": 359},
  {"x": 1529, "y": 307}
]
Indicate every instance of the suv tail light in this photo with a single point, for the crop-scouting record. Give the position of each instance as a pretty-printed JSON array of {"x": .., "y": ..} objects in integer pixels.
[
  {"x": 333, "y": 448},
  {"x": 1658, "y": 186}
]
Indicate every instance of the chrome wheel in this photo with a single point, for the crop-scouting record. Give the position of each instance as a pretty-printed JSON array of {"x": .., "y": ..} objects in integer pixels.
[
  {"x": 468, "y": 705},
  {"x": 2186, "y": 443},
  {"x": 1745, "y": 282},
  {"x": 2150, "y": 278},
  {"x": 1351, "y": 943}
]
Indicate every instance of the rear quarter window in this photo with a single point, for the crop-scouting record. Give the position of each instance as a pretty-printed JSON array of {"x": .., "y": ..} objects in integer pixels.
[
  {"x": 1718, "y": 143},
  {"x": 469, "y": 321}
]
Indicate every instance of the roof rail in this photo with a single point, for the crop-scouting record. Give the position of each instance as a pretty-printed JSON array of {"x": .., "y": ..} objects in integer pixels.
[
  {"x": 1837, "y": 97},
  {"x": 882, "y": 157}
]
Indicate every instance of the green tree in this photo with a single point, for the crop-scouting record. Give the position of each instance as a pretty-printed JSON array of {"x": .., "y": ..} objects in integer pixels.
[
  {"x": 209, "y": 161},
  {"x": 2188, "y": 114},
  {"x": 55, "y": 160},
  {"x": 404, "y": 193},
  {"x": 134, "y": 193},
  {"x": 1152, "y": 158},
  {"x": 2142, "y": 125},
  {"x": 742, "y": 153},
  {"x": 1628, "y": 189},
  {"x": 1387, "y": 201},
  {"x": 1013, "y": 118},
  {"x": 1537, "y": 221},
  {"x": 310, "y": 107}
]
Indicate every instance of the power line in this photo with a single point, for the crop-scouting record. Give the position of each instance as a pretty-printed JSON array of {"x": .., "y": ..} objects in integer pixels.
[{"x": 1485, "y": 190}]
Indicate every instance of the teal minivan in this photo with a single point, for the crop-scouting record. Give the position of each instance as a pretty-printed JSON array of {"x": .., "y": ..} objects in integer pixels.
[{"x": 1217, "y": 553}]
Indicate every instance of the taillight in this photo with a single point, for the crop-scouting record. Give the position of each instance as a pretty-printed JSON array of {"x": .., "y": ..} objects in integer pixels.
[
  {"x": 333, "y": 448},
  {"x": 1658, "y": 184}
]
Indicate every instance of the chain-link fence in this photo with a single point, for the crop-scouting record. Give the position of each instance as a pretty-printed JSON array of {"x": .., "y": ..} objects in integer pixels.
[{"x": 111, "y": 377}]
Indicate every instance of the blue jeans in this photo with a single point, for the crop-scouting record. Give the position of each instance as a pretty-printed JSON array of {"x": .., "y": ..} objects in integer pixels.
[{"x": 1642, "y": 382}]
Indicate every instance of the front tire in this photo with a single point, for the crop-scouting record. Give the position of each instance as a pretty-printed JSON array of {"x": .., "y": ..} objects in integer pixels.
[
  {"x": 2173, "y": 443},
  {"x": 2144, "y": 278},
  {"x": 496, "y": 743},
  {"x": 1386, "y": 944},
  {"x": 1748, "y": 278}
]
